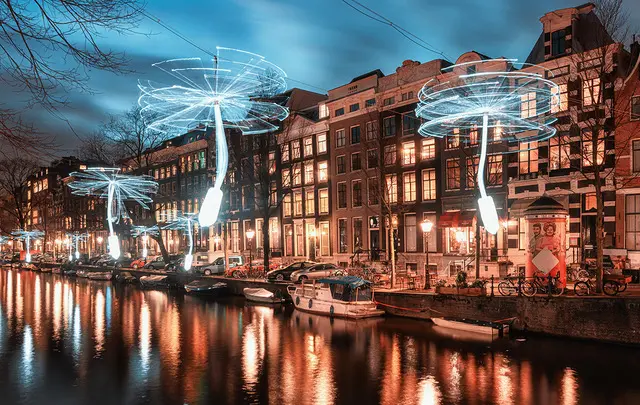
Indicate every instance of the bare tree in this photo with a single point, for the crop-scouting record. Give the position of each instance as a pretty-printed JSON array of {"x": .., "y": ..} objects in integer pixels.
[
  {"x": 14, "y": 188},
  {"x": 18, "y": 137},
  {"x": 97, "y": 148}
]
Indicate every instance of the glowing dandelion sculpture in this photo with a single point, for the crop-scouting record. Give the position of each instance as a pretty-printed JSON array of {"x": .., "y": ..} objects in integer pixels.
[
  {"x": 185, "y": 223},
  {"x": 27, "y": 236},
  {"x": 145, "y": 232},
  {"x": 116, "y": 188},
  {"x": 515, "y": 100},
  {"x": 230, "y": 91},
  {"x": 74, "y": 240}
]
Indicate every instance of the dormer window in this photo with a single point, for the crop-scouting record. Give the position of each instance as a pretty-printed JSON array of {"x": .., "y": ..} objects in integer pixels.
[{"x": 558, "y": 43}]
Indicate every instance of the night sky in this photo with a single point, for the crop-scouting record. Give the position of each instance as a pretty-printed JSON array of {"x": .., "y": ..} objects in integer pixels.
[{"x": 324, "y": 43}]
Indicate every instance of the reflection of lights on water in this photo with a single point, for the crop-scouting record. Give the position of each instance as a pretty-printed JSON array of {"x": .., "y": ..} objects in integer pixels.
[
  {"x": 77, "y": 332},
  {"x": 250, "y": 355},
  {"x": 429, "y": 391},
  {"x": 36, "y": 306},
  {"x": 19, "y": 299},
  {"x": 9, "y": 298},
  {"x": 108, "y": 304},
  {"x": 569, "y": 387},
  {"x": 503, "y": 380},
  {"x": 27, "y": 353},
  {"x": 145, "y": 336},
  {"x": 57, "y": 308},
  {"x": 99, "y": 321},
  {"x": 455, "y": 377}
]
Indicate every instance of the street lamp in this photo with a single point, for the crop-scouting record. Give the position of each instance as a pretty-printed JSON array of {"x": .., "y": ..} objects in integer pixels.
[
  {"x": 250, "y": 234},
  {"x": 427, "y": 226}
]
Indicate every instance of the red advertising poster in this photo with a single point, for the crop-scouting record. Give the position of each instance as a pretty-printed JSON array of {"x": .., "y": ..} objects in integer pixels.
[{"x": 546, "y": 248}]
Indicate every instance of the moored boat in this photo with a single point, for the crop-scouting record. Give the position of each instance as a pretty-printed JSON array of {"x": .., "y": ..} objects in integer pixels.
[
  {"x": 471, "y": 325},
  {"x": 126, "y": 277},
  {"x": 99, "y": 275},
  {"x": 154, "y": 281},
  {"x": 206, "y": 287},
  {"x": 82, "y": 273},
  {"x": 346, "y": 297},
  {"x": 261, "y": 295}
]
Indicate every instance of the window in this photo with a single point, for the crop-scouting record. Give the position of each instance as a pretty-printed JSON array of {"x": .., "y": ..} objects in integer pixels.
[
  {"x": 632, "y": 222},
  {"x": 559, "y": 98},
  {"x": 591, "y": 91},
  {"x": 408, "y": 153},
  {"x": 472, "y": 171},
  {"x": 355, "y": 161},
  {"x": 273, "y": 194},
  {"x": 590, "y": 202},
  {"x": 354, "y": 107},
  {"x": 559, "y": 153},
  {"x": 635, "y": 158},
  {"x": 528, "y": 105},
  {"x": 409, "y": 187},
  {"x": 308, "y": 172},
  {"x": 308, "y": 146},
  {"x": 391, "y": 181},
  {"x": 286, "y": 205},
  {"x": 528, "y": 157},
  {"x": 272, "y": 162},
  {"x": 322, "y": 143},
  {"x": 494, "y": 168},
  {"x": 428, "y": 148},
  {"x": 285, "y": 152},
  {"x": 355, "y": 135},
  {"x": 370, "y": 102},
  {"x": 297, "y": 174},
  {"x": 390, "y": 155},
  {"x": 428, "y": 184},
  {"x": 288, "y": 240},
  {"x": 407, "y": 96},
  {"x": 389, "y": 126},
  {"x": 323, "y": 196},
  {"x": 323, "y": 111},
  {"x": 497, "y": 131},
  {"x": 635, "y": 108},
  {"x": 409, "y": 123},
  {"x": 235, "y": 237},
  {"x": 286, "y": 178},
  {"x": 372, "y": 158},
  {"x": 299, "y": 228},
  {"x": 340, "y": 138},
  {"x": 356, "y": 193},
  {"x": 297, "y": 203},
  {"x": 557, "y": 43},
  {"x": 342, "y": 235},
  {"x": 342, "y": 195},
  {"x": 373, "y": 191},
  {"x": 587, "y": 148},
  {"x": 339, "y": 112},
  {"x": 323, "y": 171},
  {"x": 357, "y": 234},
  {"x": 473, "y": 135},
  {"x": 324, "y": 239},
  {"x": 245, "y": 198},
  {"x": 410, "y": 233},
  {"x": 371, "y": 130},
  {"x": 454, "y": 140},
  {"x": 453, "y": 174},
  {"x": 295, "y": 148},
  {"x": 341, "y": 165},
  {"x": 388, "y": 101}
]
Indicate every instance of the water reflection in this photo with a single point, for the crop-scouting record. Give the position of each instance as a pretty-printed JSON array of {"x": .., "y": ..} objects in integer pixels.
[{"x": 68, "y": 339}]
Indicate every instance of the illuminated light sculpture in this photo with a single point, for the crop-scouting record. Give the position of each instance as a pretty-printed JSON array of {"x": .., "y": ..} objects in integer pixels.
[
  {"x": 145, "y": 232},
  {"x": 184, "y": 222},
  {"x": 74, "y": 240},
  {"x": 233, "y": 91},
  {"x": 478, "y": 95},
  {"x": 27, "y": 236},
  {"x": 116, "y": 188}
]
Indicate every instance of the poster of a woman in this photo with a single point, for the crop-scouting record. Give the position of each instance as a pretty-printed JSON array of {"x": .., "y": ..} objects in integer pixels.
[{"x": 545, "y": 250}]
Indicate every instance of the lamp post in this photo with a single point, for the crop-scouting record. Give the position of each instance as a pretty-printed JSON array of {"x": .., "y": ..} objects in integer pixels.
[
  {"x": 392, "y": 246},
  {"x": 427, "y": 226},
  {"x": 250, "y": 234}
]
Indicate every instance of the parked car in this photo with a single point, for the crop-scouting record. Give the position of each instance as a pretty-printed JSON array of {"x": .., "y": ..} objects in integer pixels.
[
  {"x": 218, "y": 267},
  {"x": 141, "y": 261},
  {"x": 257, "y": 266},
  {"x": 317, "y": 271},
  {"x": 285, "y": 273},
  {"x": 94, "y": 261},
  {"x": 117, "y": 263},
  {"x": 158, "y": 263},
  {"x": 175, "y": 263}
]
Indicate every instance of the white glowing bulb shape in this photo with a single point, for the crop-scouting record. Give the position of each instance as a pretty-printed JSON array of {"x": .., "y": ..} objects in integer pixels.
[
  {"x": 235, "y": 91},
  {"x": 74, "y": 240},
  {"x": 185, "y": 223},
  {"x": 116, "y": 188},
  {"x": 494, "y": 96},
  {"x": 145, "y": 232},
  {"x": 26, "y": 236}
]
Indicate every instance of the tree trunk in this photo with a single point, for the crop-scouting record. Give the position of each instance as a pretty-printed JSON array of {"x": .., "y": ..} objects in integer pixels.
[{"x": 163, "y": 249}]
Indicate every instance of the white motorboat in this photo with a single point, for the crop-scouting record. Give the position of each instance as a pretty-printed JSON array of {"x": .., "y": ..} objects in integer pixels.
[
  {"x": 474, "y": 326},
  {"x": 261, "y": 295},
  {"x": 345, "y": 297}
]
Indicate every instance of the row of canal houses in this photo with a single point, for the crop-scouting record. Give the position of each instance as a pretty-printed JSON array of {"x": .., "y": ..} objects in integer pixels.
[{"x": 348, "y": 173}]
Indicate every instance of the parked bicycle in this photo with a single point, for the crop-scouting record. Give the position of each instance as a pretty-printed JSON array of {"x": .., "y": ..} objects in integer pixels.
[
  {"x": 543, "y": 284},
  {"x": 510, "y": 286},
  {"x": 588, "y": 287}
]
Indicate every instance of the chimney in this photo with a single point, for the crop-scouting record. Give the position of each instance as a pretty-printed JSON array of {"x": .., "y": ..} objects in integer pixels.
[{"x": 635, "y": 49}]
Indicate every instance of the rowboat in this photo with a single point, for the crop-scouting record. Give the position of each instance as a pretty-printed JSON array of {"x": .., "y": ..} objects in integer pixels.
[
  {"x": 471, "y": 325},
  {"x": 261, "y": 295},
  {"x": 100, "y": 275},
  {"x": 206, "y": 287},
  {"x": 154, "y": 281}
]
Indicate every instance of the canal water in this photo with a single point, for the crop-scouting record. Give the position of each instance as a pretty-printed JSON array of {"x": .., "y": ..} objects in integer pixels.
[{"x": 68, "y": 341}]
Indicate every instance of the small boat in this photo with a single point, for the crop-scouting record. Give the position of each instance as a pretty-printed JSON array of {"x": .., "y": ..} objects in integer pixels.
[
  {"x": 344, "y": 297},
  {"x": 472, "y": 325},
  {"x": 99, "y": 275},
  {"x": 261, "y": 295},
  {"x": 57, "y": 270},
  {"x": 126, "y": 277},
  {"x": 206, "y": 287},
  {"x": 82, "y": 273},
  {"x": 70, "y": 272},
  {"x": 45, "y": 269},
  {"x": 154, "y": 281}
]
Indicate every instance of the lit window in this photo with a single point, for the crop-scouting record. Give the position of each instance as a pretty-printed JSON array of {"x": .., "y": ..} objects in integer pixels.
[
  {"x": 559, "y": 153},
  {"x": 453, "y": 141},
  {"x": 409, "y": 187},
  {"x": 494, "y": 168},
  {"x": 297, "y": 203},
  {"x": 528, "y": 105},
  {"x": 323, "y": 111},
  {"x": 295, "y": 148},
  {"x": 323, "y": 196},
  {"x": 453, "y": 174},
  {"x": 559, "y": 98},
  {"x": 285, "y": 152},
  {"x": 472, "y": 171},
  {"x": 322, "y": 143},
  {"x": 408, "y": 153},
  {"x": 323, "y": 169},
  {"x": 428, "y": 184},
  {"x": 528, "y": 157},
  {"x": 308, "y": 172},
  {"x": 286, "y": 205},
  {"x": 297, "y": 174},
  {"x": 473, "y": 135},
  {"x": 391, "y": 182},
  {"x": 390, "y": 155},
  {"x": 428, "y": 148},
  {"x": 308, "y": 146},
  {"x": 410, "y": 233},
  {"x": 591, "y": 91},
  {"x": 340, "y": 138},
  {"x": 588, "y": 146},
  {"x": 272, "y": 162},
  {"x": 342, "y": 235}
]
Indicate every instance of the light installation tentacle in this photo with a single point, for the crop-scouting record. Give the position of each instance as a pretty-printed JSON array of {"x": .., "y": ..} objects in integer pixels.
[
  {"x": 74, "y": 240},
  {"x": 184, "y": 222},
  {"x": 145, "y": 232},
  {"x": 514, "y": 100},
  {"x": 234, "y": 90},
  {"x": 27, "y": 236},
  {"x": 116, "y": 188}
]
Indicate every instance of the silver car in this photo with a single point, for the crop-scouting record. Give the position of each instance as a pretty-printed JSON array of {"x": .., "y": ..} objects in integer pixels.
[{"x": 320, "y": 270}]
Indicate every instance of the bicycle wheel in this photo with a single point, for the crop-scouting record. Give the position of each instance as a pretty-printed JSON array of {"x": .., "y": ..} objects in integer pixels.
[
  {"x": 622, "y": 287},
  {"x": 583, "y": 275},
  {"x": 610, "y": 288},
  {"x": 556, "y": 291},
  {"x": 529, "y": 289},
  {"x": 505, "y": 288},
  {"x": 581, "y": 288}
]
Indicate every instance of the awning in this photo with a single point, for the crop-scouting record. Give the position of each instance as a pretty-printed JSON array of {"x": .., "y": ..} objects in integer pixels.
[
  {"x": 352, "y": 281},
  {"x": 456, "y": 219}
]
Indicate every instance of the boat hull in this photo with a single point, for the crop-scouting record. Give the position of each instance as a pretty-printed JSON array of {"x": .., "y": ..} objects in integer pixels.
[
  {"x": 340, "y": 309},
  {"x": 261, "y": 295},
  {"x": 471, "y": 327}
]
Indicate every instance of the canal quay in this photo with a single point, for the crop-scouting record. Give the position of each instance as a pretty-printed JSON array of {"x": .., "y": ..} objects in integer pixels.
[{"x": 76, "y": 341}]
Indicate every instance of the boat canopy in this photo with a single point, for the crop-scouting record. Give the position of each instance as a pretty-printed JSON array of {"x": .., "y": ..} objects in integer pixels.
[{"x": 352, "y": 281}]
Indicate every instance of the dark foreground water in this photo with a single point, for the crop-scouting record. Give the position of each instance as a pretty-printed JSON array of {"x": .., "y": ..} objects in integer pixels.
[{"x": 66, "y": 341}]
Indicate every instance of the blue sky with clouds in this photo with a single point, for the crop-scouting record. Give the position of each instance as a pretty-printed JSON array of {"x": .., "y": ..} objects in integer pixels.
[{"x": 321, "y": 42}]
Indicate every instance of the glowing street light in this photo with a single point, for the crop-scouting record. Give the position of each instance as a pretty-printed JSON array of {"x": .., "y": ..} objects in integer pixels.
[
  {"x": 426, "y": 226},
  {"x": 145, "y": 232},
  {"x": 231, "y": 91},
  {"x": 250, "y": 234},
  {"x": 27, "y": 236}
]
